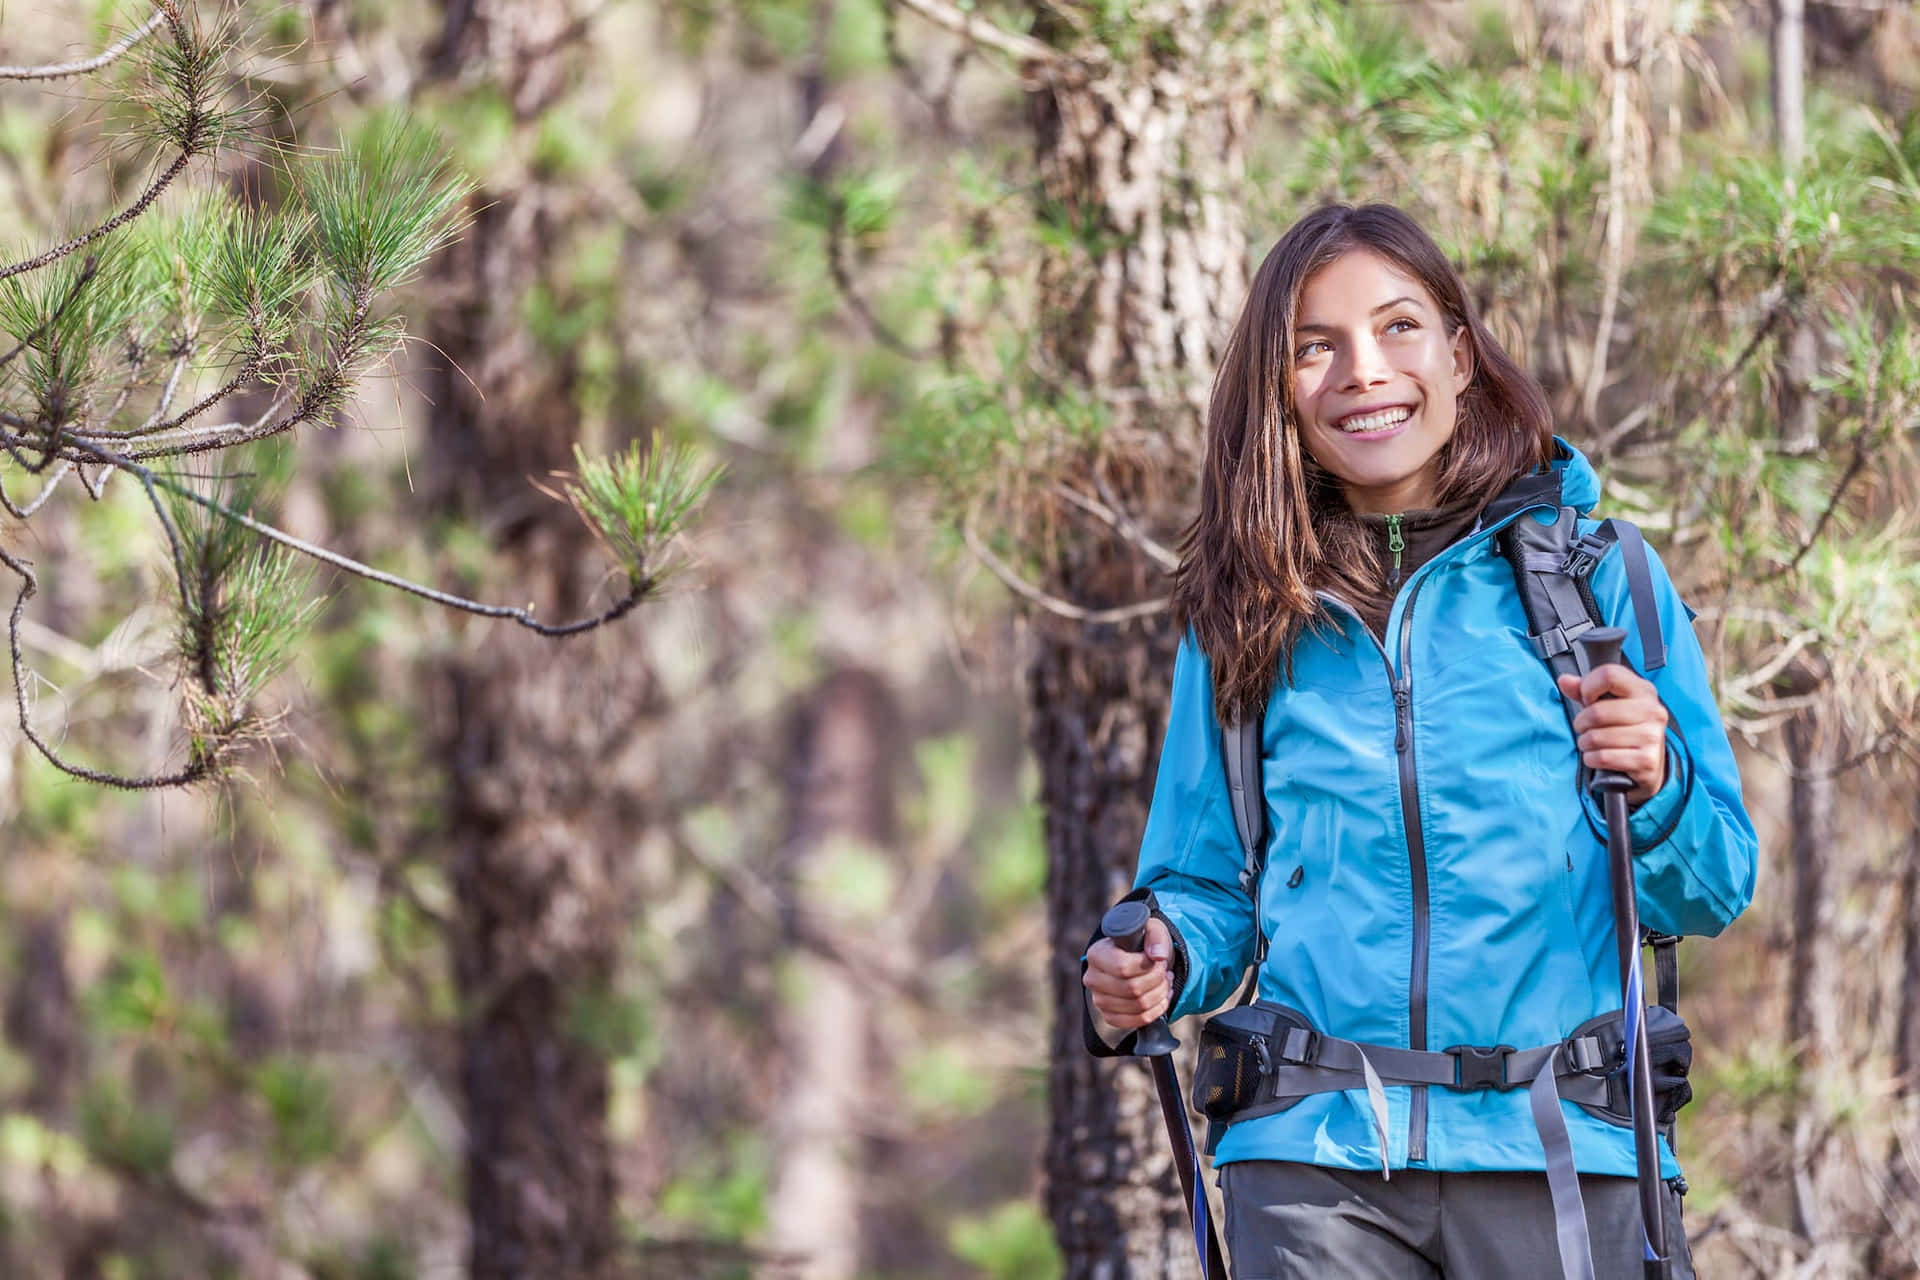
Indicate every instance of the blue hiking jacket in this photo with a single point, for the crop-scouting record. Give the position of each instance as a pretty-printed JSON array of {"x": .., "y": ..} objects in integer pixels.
[{"x": 1489, "y": 922}]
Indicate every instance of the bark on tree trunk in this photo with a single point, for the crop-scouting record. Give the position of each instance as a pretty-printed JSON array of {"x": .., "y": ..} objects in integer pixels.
[
  {"x": 1133, "y": 318},
  {"x": 536, "y": 929},
  {"x": 1906, "y": 1043},
  {"x": 1813, "y": 1016}
]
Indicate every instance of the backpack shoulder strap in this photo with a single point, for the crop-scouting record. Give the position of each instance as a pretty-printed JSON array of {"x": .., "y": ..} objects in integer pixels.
[
  {"x": 1552, "y": 565},
  {"x": 1646, "y": 606},
  {"x": 1240, "y": 753}
]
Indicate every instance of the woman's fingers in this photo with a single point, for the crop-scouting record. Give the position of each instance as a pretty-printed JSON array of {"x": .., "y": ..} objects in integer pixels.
[
  {"x": 1621, "y": 726},
  {"x": 1612, "y": 679},
  {"x": 1622, "y": 711},
  {"x": 1130, "y": 988}
]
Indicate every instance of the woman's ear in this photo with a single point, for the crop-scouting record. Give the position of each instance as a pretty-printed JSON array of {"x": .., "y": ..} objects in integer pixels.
[{"x": 1462, "y": 360}]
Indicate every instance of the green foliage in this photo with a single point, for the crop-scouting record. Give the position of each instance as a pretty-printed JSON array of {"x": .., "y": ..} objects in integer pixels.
[
  {"x": 856, "y": 879},
  {"x": 1013, "y": 869},
  {"x": 181, "y": 81},
  {"x": 1013, "y": 1242},
  {"x": 244, "y": 601},
  {"x": 723, "y": 1196},
  {"x": 640, "y": 501},
  {"x": 370, "y": 241},
  {"x": 862, "y": 206},
  {"x": 944, "y": 1083},
  {"x": 300, "y": 1106},
  {"x": 134, "y": 996},
  {"x": 123, "y": 1134},
  {"x": 68, "y": 317},
  {"x": 1355, "y": 61},
  {"x": 946, "y": 804},
  {"x": 615, "y": 1023}
]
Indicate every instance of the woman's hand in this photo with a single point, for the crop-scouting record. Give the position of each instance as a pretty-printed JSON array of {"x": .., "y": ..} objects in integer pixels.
[
  {"x": 1131, "y": 988},
  {"x": 1622, "y": 726}
]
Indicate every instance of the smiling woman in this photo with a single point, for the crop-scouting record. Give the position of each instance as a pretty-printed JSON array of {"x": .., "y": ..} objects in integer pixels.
[{"x": 1378, "y": 471}]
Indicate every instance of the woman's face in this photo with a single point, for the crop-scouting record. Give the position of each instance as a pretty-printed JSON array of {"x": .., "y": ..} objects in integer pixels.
[{"x": 1376, "y": 381}]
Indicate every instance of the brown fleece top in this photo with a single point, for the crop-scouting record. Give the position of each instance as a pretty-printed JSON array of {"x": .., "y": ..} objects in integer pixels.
[{"x": 1424, "y": 534}]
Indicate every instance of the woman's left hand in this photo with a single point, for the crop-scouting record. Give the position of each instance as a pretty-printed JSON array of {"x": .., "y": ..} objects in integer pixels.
[{"x": 1622, "y": 726}]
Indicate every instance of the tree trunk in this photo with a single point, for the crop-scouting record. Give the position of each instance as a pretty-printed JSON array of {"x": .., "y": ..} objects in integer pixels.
[
  {"x": 536, "y": 927},
  {"x": 1813, "y": 1009},
  {"x": 839, "y": 787},
  {"x": 1789, "y": 81},
  {"x": 1134, "y": 319},
  {"x": 1813, "y": 1014},
  {"x": 1799, "y": 363}
]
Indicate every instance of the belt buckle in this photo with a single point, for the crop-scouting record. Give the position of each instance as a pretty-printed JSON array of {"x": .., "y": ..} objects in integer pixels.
[{"x": 1480, "y": 1066}]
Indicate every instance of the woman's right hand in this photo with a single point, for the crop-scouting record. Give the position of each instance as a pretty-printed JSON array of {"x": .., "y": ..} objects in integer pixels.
[{"x": 1131, "y": 988}]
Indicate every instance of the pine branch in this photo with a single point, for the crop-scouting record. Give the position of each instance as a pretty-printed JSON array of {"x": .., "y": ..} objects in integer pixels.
[
  {"x": 257, "y": 356},
  {"x": 843, "y": 280},
  {"x": 1051, "y": 603},
  {"x": 638, "y": 590},
  {"x": 108, "y": 227},
  {"x": 46, "y": 491},
  {"x": 196, "y": 770},
  {"x": 987, "y": 34},
  {"x": 88, "y": 270},
  {"x": 62, "y": 70}
]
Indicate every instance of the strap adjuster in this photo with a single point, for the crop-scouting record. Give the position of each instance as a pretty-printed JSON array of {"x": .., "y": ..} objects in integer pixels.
[
  {"x": 1584, "y": 554},
  {"x": 1583, "y": 1056},
  {"x": 1300, "y": 1046},
  {"x": 1480, "y": 1066}
]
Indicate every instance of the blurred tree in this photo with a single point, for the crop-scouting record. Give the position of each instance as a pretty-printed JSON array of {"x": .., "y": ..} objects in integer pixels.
[{"x": 1088, "y": 429}]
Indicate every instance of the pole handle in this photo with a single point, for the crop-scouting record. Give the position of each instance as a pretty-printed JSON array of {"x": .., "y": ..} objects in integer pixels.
[
  {"x": 1597, "y": 647},
  {"x": 1126, "y": 924}
]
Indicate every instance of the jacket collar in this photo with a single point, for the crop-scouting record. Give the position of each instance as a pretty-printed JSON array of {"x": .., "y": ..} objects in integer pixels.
[{"x": 1569, "y": 480}]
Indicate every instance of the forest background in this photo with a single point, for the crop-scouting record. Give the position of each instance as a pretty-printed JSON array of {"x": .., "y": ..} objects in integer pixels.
[{"x": 738, "y": 937}]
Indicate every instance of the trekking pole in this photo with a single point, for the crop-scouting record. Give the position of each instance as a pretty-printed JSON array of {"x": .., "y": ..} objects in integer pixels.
[
  {"x": 1126, "y": 924},
  {"x": 1600, "y": 646}
]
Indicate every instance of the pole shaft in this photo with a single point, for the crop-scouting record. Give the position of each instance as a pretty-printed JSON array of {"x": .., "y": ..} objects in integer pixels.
[{"x": 1626, "y": 922}]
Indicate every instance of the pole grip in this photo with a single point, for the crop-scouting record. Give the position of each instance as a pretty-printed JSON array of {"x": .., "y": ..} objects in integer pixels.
[
  {"x": 1126, "y": 925},
  {"x": 1597, "y": 647}
]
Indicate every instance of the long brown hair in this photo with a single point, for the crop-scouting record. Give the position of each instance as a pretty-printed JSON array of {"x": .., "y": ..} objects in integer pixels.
[{"x": 1274, "y": 527}]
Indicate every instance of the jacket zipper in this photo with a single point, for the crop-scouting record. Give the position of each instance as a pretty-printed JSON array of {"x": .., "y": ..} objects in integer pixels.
[
  {"x": 1417, "y": 871},
  {"x": 1396, "y": 543}
]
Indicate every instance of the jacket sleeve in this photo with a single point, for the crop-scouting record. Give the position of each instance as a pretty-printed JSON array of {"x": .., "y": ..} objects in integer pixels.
[
  {"x": 1694, "y": 847},
  {"x": 1190, "y": 853}
]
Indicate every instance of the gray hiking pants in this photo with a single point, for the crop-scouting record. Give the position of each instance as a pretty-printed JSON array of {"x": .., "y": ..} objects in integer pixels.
[{"x": 1300, "y": 1220}]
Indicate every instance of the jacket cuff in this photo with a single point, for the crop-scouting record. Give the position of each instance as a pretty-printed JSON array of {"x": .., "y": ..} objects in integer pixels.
[{"x": 1655, "y": 820}]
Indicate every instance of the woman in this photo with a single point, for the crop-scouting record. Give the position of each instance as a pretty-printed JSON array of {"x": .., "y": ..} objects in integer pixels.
[{"x": 1434, "y": 879}]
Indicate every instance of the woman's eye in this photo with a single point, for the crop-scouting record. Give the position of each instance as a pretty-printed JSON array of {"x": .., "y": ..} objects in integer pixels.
[
  {"x": 1310, "y": 349},
  {"x": 1402, "y": 325}
]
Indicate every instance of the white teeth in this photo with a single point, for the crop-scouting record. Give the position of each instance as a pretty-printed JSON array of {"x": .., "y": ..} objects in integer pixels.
[{"x": 1377, "y": 421}]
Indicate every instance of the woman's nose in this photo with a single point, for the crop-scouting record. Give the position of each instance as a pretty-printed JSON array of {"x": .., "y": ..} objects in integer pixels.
[{"x": 1367, "y": 366}]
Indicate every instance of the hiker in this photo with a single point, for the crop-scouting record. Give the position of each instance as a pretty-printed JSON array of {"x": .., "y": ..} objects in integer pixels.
[{"x": 1427, "y": 895}]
